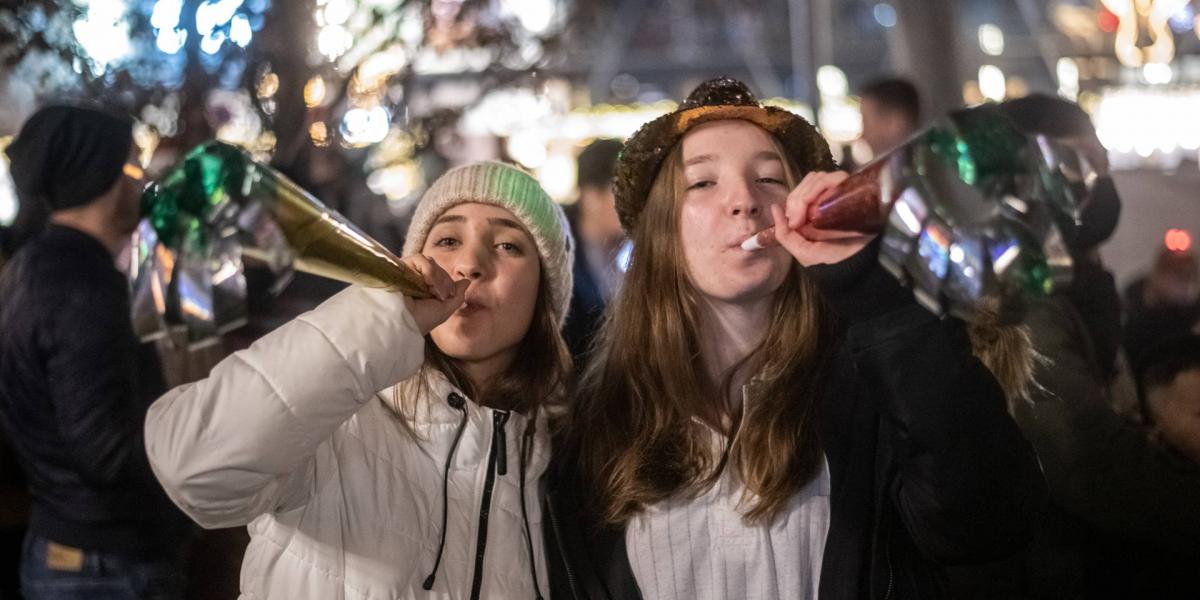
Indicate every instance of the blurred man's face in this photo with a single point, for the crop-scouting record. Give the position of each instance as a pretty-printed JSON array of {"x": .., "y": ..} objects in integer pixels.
[
  {"x": 1176, "y": 409},
  {"x": 600, "y": 207},
  {"x": 1174, "y": 281},
  {"x": 883, "y": 128}
]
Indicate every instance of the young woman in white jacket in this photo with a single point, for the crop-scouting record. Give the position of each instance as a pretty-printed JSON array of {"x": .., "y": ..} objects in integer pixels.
[{"x": 385, "y": 448}]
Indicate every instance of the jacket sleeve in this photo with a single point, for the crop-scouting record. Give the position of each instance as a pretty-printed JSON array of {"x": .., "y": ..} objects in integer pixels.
[
  {"x": 1099, "y": 467},
  {"x": 242, "y": 442},
  {"x": 966, "y": 484},
  {"x": 93, "y": 385}
]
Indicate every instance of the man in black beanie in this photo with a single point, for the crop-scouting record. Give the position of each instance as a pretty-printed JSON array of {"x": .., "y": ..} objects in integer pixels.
[{"x": 74, "y": 381}]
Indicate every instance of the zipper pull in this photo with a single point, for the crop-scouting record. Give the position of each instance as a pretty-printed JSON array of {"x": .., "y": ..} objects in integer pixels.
[{"x": 500, "y": 418}]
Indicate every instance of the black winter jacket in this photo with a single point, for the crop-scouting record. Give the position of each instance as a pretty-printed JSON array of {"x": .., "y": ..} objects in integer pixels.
[
  {"x": 74, "y": 389},
  {"x": 927, "y": 468}
]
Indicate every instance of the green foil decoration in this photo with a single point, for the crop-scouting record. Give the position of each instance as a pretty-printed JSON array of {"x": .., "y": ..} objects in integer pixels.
[{"x": 217, "y": 205}]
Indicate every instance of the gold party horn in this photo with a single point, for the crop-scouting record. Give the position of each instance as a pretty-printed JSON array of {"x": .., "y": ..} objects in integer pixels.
[{"x": 325, "y": 243}]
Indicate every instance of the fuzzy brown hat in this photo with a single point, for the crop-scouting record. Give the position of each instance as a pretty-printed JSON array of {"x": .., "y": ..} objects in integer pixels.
[{"x": 713, "y": 100}]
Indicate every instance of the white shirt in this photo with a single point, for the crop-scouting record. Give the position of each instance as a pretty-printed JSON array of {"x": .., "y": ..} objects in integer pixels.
[{"x": 700, "y": 548}]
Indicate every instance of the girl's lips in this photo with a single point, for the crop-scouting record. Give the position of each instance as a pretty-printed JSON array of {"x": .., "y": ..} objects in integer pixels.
[
  {"x": 470, "y": 306},
  {"x": 760, "y": 240}
]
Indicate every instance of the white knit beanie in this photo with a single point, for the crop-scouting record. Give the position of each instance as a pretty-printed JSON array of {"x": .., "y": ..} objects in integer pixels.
[{"x": 518, "y": 192}]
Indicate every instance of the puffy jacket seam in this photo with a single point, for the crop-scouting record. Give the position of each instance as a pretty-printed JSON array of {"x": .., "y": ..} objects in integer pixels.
[
  {"x": 367, "y": 447},
  {"x": 318, "y": 567},
  {"x": 329, "y": 340},
  {"x": 274, "y": 388}
]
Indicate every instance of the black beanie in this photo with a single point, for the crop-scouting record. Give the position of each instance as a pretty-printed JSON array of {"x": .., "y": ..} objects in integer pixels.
[{"x": 68, "y": 155}]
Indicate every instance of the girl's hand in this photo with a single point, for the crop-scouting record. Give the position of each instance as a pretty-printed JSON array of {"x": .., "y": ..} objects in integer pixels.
[
  {"x": 448, "y": 294},
  {"x": 814, "y": 246}
]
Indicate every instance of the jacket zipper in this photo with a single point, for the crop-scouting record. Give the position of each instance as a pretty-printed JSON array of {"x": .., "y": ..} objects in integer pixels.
[
  {"x": 498, "y": 453},
  {"x": 562, "y": 551}
]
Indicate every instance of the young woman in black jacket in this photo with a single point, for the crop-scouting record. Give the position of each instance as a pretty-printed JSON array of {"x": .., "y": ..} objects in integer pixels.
[{"x": 775, "y": 423}]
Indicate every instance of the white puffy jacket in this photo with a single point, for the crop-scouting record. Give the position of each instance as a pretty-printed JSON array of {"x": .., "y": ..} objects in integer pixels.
[{"x": 290, "y": 437}]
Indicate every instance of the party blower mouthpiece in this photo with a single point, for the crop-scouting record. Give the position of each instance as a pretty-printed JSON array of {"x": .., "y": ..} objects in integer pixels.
[{"x": 219, "y": 205}]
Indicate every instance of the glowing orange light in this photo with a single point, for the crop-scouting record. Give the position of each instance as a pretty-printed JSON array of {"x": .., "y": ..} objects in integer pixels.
[
  {"x": 133, "y": 171},
  {"x": 1178, "y": 240}
]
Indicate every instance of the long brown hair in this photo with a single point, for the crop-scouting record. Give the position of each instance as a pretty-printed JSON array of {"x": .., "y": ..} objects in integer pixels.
[
  {"x": 633, "y": 421},
  {"x": 535, "y": 379}
]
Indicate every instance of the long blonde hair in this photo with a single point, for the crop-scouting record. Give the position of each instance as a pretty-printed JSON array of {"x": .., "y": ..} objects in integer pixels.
[{"x": 633, "y": 422}]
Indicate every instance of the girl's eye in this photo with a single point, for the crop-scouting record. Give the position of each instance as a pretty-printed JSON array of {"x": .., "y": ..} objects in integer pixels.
[
  {"x": 446, "y": 242},
  {"x": 510, "y": 248},
  {"x": 700, "y": 185}
]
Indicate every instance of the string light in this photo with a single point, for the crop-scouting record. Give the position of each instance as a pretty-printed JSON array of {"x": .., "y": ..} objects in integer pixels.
[
  {"x": 1157, "y": 15},
  {"x": 1178, "y": 240},
  {"x": 314, "y": 92},
  {"x": 991, "y": 39},
  {"x": 991, "y": 82}
]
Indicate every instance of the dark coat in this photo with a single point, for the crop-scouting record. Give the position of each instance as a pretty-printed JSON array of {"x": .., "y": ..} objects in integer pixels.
[
  {"x": 1112, "y": 489},
  {"x": 74, "y": 389},
  {"x": 587, "y": 302},
  {"x": 927, "y": 468},
  {"x": 1147, "y": 326}
]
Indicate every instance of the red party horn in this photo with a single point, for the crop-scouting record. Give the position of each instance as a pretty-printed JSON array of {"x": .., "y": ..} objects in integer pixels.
[{"x": 856, "y": 204}]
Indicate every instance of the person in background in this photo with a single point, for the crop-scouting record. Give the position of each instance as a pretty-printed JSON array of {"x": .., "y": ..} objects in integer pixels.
[
  {"x": 75, "y": 383},
  {"x": 1169, "y": 385},
  {"x": 891, "y": 112},
  {"x": 1163, "y": 304},
  {"x": 598, "y": 232},
  {"x": 1111, "y": 488}
]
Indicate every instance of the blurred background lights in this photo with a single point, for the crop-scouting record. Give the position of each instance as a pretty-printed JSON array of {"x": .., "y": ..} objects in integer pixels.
[
  {"x": 991, "y": 39},
  {"x": 8, "y": 191},
  {"x": 210, "y": 15},
  {"x": 884, "y": 14},
  {"x": 170, "y": 41},
  {"x": 239, "y": 30},
  {"x": 1184, "y": 20},
  {"x": 314, "y": 91},
  {"x": 337, "y": 12},
  {"x": 364, "y": 126},
  {"x": 527, "y": 148},
  {"x": 333, "y": 41},
  {"x": 103, "y": 32},
  {"x": 165, "y": 14},
  {"x": 1067, "y": 71},
  {"x": 831, "y": 81},
  {"x": 991, "y": 82},
  {"x": 1178, "y": 240},
  {"x": 211, "y": 44},
  {"x": 1157, "y": 73},
  {"x": 396, "y": 182},
  {"x": 535, "y": 15},
  {"x": 318, "y": 133},
  {"x": 557, "y": 175}
]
